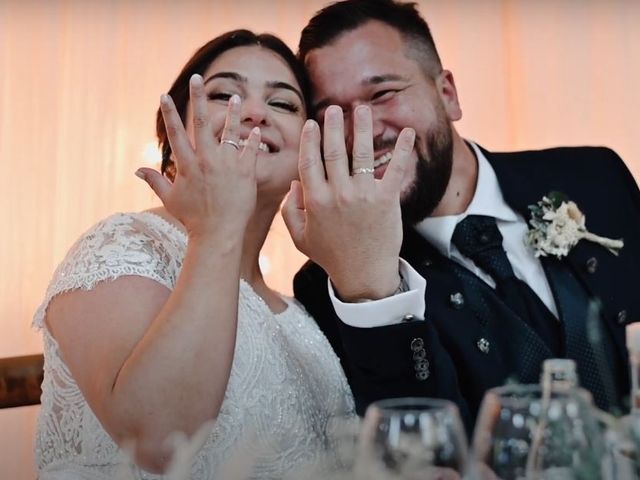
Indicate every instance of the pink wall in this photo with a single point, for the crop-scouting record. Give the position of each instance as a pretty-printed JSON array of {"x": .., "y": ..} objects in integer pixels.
[{"x": 80, "y": 84}]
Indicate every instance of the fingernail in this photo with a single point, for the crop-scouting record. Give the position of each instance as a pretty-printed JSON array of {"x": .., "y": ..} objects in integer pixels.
[
  {"x": 195, "y": 79},
  {"x": 411, "y": 134},
  {"x": 309, "y": 126},
  {"x": 164, "y": 99},
  {"x": 334, "y": 111},
  {"x": 140, "y": 174},
  {"x": 255, "y": 131},
  {"x": 363, "y": 111},
  {"x": 235, "y": 99}
]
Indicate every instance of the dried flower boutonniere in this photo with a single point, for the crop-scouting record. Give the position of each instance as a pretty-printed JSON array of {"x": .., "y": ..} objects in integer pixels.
[{"x": 557, "y": 225}]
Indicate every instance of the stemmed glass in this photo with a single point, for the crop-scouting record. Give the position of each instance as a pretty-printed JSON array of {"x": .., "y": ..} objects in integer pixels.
[
  {"x": 523, "y": 434},
  {"x": 411, "y": 438}
]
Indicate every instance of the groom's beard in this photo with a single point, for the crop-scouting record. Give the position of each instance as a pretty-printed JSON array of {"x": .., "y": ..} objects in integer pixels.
[{"x": 433, "y": 171}]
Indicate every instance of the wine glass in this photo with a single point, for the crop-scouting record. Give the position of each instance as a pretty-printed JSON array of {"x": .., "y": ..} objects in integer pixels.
[
  {"x": 522, "y": 433},
  {"x": 411, "y": 438}
]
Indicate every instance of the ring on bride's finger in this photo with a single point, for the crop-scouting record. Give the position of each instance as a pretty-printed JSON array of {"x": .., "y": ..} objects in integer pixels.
[
  {"x": 360, "y": 170},
  {"x": 231, "y": 142}
]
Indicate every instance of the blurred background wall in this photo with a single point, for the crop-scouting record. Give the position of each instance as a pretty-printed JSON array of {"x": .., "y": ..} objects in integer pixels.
[{"x": 80, "y": 82}]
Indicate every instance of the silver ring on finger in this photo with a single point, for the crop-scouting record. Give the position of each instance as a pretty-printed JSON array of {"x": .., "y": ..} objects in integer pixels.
[
  {"x": 361, "y": 170},
  {"x": 230, "y": 142}
]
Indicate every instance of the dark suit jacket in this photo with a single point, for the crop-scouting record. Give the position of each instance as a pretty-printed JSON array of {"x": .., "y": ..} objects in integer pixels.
[{"x": 380, "y": 362}]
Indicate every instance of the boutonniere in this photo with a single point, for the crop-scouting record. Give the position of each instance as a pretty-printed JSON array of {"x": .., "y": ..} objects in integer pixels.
[{"x": 557, "y": 225}]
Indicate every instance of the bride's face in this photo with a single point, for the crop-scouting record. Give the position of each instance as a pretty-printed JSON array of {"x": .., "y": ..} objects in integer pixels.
[{"x": 270, "y": 99}]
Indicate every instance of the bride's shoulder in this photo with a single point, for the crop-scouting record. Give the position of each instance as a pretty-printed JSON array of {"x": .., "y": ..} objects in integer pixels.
[
  {"x": 126, "y": 242},
  {"x": 127, "y": 227},
  {"x": 122, "y": 244}
]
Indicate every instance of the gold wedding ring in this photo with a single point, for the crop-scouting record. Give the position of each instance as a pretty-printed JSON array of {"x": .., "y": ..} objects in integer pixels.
[
  {"x": 360, "y": 170},
  {"x": 231, "y": 142}
]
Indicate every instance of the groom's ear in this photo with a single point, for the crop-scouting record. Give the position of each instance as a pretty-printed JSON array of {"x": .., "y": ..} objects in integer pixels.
[{"x": 448, "y": 93}]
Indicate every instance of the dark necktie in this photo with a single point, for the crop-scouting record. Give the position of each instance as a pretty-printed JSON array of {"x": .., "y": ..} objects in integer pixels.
[{"x": 478, "y": 238}]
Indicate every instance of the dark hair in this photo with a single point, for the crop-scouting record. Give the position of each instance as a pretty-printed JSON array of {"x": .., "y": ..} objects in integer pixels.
[
  {"x": 199, "y": 63},
  {"x": 341, "y": 17}
]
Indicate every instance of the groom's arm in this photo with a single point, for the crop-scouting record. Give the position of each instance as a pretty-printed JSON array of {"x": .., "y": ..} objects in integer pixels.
[{"x": 400, "y": 360}]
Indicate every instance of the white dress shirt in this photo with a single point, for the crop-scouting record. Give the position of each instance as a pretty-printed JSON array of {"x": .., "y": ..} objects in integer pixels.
[{"x": 487, "y": 200}]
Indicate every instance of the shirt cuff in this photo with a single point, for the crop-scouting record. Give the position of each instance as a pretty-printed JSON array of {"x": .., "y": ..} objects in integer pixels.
[{"x": 386, "y": 311}]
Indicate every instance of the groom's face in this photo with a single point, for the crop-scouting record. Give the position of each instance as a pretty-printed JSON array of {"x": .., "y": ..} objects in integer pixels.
[{"x": 370, "y": 65}]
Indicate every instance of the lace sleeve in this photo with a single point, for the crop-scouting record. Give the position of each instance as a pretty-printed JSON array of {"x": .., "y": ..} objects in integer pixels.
[{"x": 123, "y": 244}]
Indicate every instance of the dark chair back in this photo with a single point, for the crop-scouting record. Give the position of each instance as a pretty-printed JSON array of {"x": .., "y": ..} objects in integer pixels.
[{"x": 20, "y": 380}]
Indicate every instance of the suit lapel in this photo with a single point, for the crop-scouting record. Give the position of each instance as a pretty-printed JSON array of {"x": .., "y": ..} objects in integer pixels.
[
  {"x": 519, "y": 193},
  {"x": 592, "y": 264}
]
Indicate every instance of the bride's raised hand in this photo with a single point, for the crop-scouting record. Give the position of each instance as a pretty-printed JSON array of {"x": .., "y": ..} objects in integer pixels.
[{"x": 214, "y": 187}]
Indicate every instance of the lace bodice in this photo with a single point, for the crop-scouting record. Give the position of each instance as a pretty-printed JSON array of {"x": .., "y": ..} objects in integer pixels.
[{"x": 285, "y": 388}]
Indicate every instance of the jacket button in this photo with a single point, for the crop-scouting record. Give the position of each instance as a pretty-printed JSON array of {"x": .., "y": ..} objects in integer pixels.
[
  {"x": 592, "y": 265},
  {"x": 621, "y": 317},
  {"x": 420, "y": 354},
  {"x": 408, "y": 318},
  {"x": 422, "y": 375},
  {"x": 456, "y": 300},
  {"x": 427, "y": 262},
  {"x": 422, "y": 366},
  {"x": 417, "y": 344},
  {"x": 483, "y": 345}
]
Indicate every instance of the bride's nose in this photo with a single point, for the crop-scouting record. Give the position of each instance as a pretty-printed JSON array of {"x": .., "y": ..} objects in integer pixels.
[{"x": 254, "y": 112}]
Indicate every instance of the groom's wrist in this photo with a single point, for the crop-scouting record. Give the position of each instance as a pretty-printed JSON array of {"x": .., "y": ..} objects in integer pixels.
[{"x": 373, "y": 292}]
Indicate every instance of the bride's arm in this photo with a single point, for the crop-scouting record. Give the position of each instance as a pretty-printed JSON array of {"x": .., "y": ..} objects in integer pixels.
[{"x": 149, "y": 361}]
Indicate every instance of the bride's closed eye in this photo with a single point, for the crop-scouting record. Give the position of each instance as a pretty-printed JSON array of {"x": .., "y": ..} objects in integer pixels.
[
  {"x": 221, "y": 96},
  {"x": 285, "y": 105}
]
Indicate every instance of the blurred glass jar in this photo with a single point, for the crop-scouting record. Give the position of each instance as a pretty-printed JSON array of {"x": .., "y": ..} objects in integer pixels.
[{"x": 524, "y": 431}]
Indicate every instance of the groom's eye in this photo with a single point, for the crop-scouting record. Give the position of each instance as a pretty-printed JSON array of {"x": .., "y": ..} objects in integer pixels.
[{"x": 384, "y": 94}]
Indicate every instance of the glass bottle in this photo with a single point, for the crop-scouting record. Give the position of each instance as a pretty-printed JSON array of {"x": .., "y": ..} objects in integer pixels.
[
  {"x": 633, "y": 345},
  {"x": 559, "y": 374},
  {"x": 626, "y": 443},
  {"x": 561, "y": 432}
]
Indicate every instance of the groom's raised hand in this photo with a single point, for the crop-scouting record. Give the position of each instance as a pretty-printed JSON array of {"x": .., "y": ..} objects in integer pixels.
[{"x": 349, "y": 223}]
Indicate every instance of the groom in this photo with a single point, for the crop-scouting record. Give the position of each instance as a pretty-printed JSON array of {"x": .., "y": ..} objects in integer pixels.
[{"x": 442, "y": 297}]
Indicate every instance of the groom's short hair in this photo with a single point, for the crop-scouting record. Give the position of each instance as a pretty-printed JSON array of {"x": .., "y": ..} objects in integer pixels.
[{"x": 341, "y": 17}]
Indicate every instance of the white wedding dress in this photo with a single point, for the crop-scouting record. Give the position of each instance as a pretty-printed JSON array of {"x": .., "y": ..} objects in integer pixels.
[{"x": 285, "y": 390}]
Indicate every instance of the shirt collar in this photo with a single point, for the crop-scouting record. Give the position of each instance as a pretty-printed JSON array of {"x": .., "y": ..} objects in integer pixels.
[{"x": 487, "y": 200}]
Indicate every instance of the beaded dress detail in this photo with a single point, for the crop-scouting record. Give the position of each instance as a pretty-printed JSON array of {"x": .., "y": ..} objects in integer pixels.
[{"x": 285, "y": 390}]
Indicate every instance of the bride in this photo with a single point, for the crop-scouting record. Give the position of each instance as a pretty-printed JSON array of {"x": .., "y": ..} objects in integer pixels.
[{"x": 160, "y": 321}]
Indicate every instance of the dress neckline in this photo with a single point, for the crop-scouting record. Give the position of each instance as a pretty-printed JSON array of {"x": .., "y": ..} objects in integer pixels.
[{"x": 288, "y": 301}]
